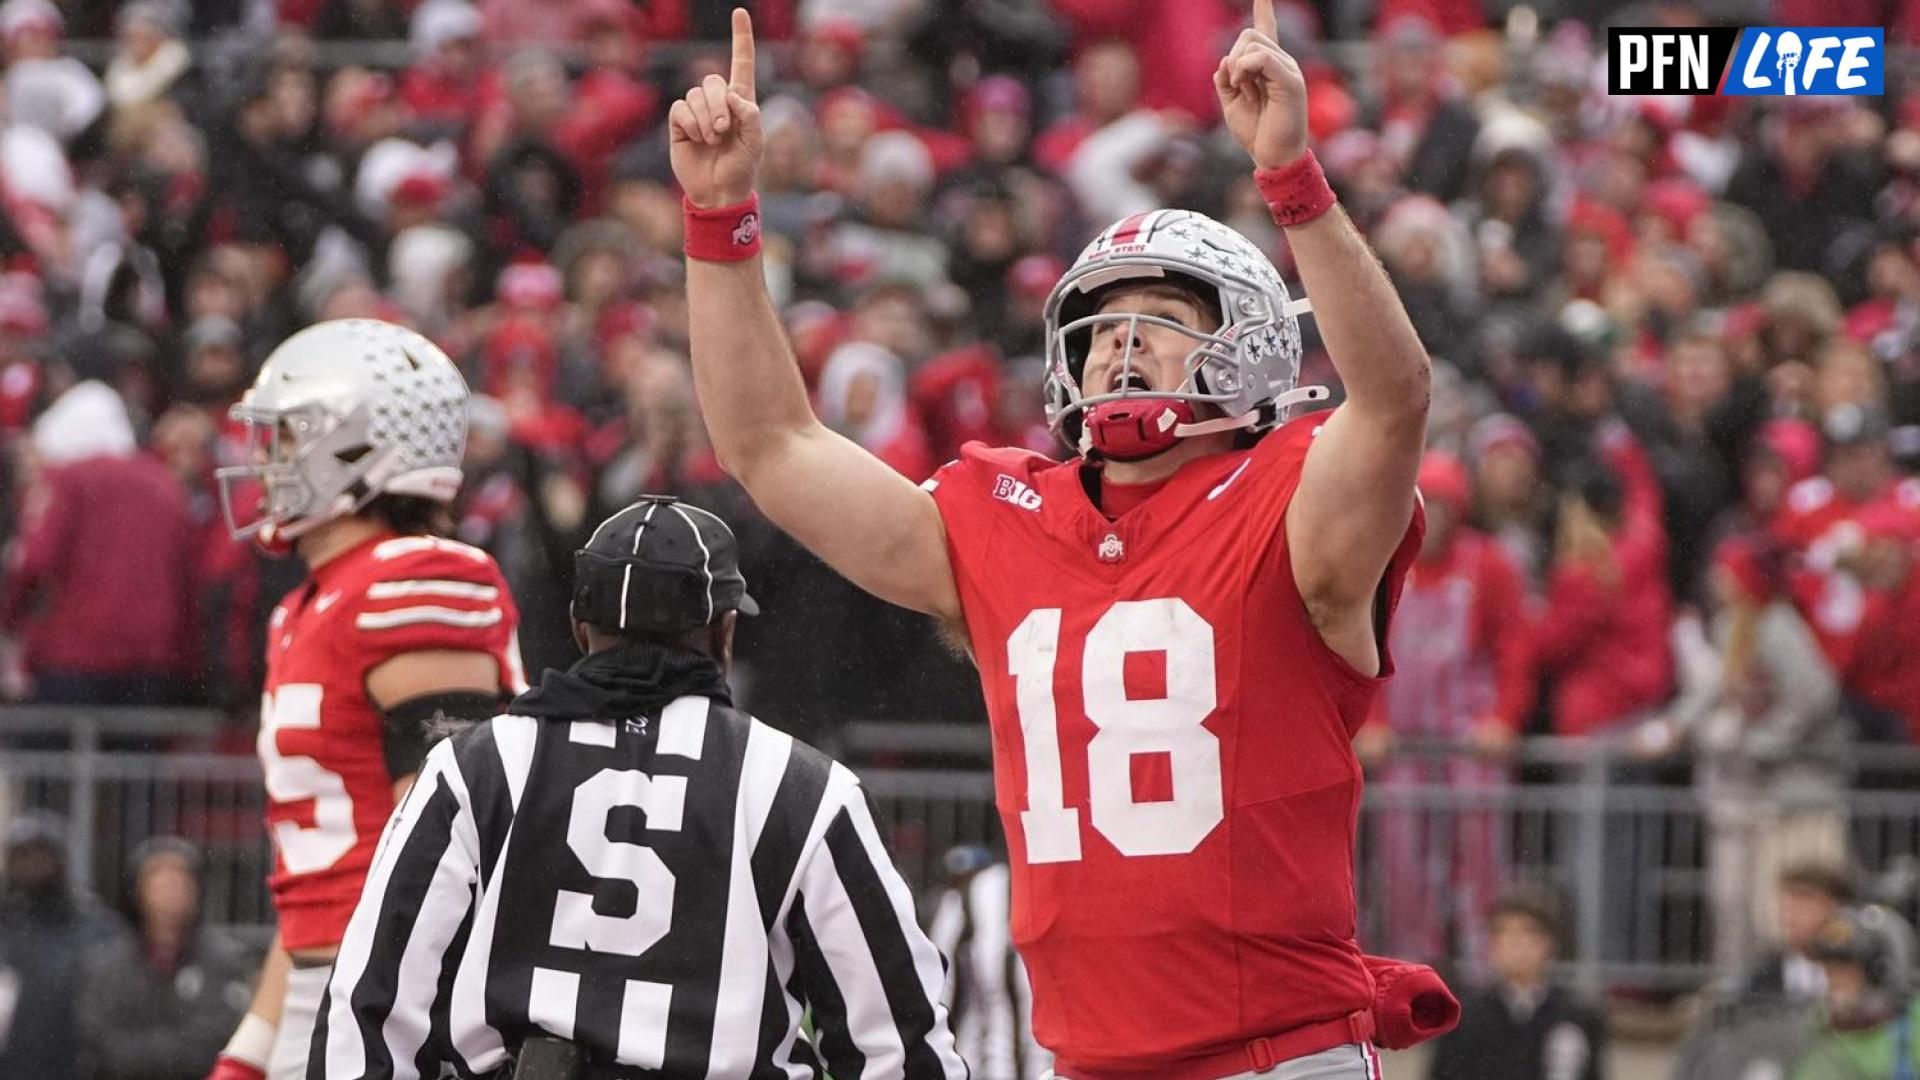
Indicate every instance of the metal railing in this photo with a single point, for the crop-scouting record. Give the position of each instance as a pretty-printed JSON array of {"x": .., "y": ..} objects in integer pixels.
[{"x": 1629, "y": 849}]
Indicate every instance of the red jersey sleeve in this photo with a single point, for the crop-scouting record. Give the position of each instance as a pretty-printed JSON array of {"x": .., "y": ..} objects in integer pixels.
[{"x": 423, "y": 593}]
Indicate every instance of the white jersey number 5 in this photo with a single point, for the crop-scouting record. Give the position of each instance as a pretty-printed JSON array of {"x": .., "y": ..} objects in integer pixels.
[
  {"x": 295, "y": 778},
  {"x": 1127, "y": 727}
]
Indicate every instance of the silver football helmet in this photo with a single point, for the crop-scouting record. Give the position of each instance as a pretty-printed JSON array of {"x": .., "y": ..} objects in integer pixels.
[
  {"x": 1247, "y": 368},
  {"x": 341, "y": 413}
]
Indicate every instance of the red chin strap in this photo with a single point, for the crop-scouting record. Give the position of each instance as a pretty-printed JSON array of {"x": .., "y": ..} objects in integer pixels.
[{"x": 1134, "y": 430}]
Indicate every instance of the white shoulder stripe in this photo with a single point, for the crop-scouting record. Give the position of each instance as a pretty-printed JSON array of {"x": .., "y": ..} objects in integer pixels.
[
  {"x": 460, "y": 590},
  {"x": 407, "y": 616},
  {"x": 683, "y": 727},
  {"x": 515, "y": 736}
]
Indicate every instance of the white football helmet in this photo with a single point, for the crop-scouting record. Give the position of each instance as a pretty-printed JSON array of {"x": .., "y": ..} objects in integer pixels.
[
  {"x": 341, "y": 413},
  {"x": 1246, "y": 368}
]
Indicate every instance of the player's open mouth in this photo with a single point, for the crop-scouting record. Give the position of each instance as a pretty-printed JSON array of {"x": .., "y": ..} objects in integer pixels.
[{"x": 1128, "y": 380}]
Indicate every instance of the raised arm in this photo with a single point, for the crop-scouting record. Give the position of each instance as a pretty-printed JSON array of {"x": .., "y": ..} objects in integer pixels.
[
  {"x": 1356, "y": 488},
  {"x": 847, "y": 506}
]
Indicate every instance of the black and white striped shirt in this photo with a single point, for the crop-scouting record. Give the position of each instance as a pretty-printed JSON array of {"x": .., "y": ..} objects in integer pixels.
[
  {"x": 989, "y": 999},
  {"x": 671, "y": 892}
]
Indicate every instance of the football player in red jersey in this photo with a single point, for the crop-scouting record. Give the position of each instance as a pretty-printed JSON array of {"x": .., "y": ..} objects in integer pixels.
[
  {"x": 359, "y": 427},
  {"x": 1178, "y": 631}
]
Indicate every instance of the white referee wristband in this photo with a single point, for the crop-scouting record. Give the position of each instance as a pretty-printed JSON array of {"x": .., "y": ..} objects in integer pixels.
[{"x": 252, "y": 1042}]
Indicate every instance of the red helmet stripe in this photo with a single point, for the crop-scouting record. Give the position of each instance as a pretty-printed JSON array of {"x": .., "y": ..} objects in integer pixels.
[{"x": 1129, "y": 228}]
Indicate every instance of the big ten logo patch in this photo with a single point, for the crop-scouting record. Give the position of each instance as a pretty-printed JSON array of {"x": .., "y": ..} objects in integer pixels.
[{"x": 1007, "y": 489}]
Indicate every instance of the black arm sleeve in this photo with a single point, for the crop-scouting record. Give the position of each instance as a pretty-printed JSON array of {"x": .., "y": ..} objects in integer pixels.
[{"x": 410, "y": 727}]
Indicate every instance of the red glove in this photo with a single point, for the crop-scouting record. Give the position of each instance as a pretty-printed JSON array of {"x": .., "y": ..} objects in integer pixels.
[
  {"x": 1411, "y": 1003},
  {"x": 232, "y": 1068}
]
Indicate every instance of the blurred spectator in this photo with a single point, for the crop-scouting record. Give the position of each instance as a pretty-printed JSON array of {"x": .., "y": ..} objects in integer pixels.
[
  {"x": 1005, "y": 37},
  {"x": 1695, "y": 432},
  {"x": 1858, "y": 473},
  {"x": 47, "y": 929},
  {"x": 1804, "y": 181},
  {"x": 1867, "y": 1027},
  {"x": 1106, "y": 150},
  {"x": 790, "y": 203},
  {"x": 1733, "y": 251},
  {"x": 151, "y": 64},
  {"x": 988, "y": 243},
  {"x": 447, "y": 84},
  {"x": 534, "y": 186},
  {"x": 1880, "y": 673},
  {"x": 361, "y": 20},
  {"x": 1022, "y": 329},
  {"x": 1106, "y": 88},
  {"x": 1853, "y": 528},
  {"x": 1762, "y": 709},
  {"x": 1522, "y": 1026},
  {"x": 428, "y": 266},
  {"x": 1422, "y": 126},
  {"x": 882, "y": 239},
  {"x": 863, "y": 395},
  {"x": 1800, "y": 313},
  {"x": 45, "y": 89},
  {"x": 1427, "y": 253},
  {"x": 76, "y": 582},
  {"x": 1807, "y": 897},
  {"x": 1178, "y": 44},
  {"x": 612, "y": 103},
  {"x": 1602, "y": 634},
  {"x": 1516, "y": 243},
  {"x": 957, "y": 395},
  {"x": 1512, "y": 500},
  {"x": 1461, "y": 682},
  {"x": 988, "y": 999},
  {"x": 830, "y": 52},
  {"x": 159, "y": 1003}
]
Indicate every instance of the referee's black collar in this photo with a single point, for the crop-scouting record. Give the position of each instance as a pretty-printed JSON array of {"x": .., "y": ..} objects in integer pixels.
[{"x": 634, "y": 678}]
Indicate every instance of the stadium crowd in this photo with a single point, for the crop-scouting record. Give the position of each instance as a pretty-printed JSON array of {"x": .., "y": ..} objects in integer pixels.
[{"x": 1677, "y": 340}]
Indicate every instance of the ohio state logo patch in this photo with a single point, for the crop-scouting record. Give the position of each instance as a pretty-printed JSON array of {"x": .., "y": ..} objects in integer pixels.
[{"x": 745, "y": 233}]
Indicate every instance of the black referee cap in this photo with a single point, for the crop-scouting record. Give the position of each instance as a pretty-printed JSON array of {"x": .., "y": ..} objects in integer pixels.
[{"x": 660, "y": 566}]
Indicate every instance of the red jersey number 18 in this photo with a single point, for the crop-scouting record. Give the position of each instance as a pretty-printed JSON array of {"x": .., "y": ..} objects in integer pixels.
[{"x": 1125, "y": 727}]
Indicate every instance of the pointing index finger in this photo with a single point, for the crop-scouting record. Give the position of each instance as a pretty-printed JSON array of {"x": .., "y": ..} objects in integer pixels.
[
  {"x": 740, "y": 80},
  {"x": 1263, "y": 18}
]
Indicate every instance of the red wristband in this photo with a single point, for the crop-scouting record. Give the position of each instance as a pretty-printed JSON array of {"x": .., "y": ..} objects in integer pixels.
[
  {"x": 1296, "y": 193},
  {"x": 723, "y": 233}
]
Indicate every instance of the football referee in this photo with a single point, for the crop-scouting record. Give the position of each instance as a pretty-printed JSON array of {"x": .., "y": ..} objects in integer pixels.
[{"x": 626, "y": 877}]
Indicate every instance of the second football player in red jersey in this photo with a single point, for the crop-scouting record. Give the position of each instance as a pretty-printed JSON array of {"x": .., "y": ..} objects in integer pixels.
[
  {"x": 1178, "y": 631},
  {"x": 360, "y": 426}
]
